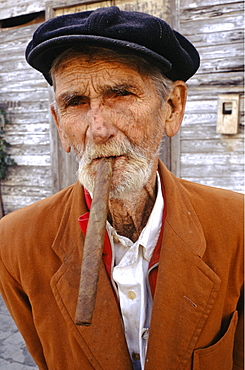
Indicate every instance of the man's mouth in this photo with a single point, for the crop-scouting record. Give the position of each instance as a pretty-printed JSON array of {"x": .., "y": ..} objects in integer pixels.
[{"x": 114, "y": 157}]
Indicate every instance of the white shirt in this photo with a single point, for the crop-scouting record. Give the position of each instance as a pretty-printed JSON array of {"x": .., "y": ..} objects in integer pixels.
[{"x": 131, "y": 261}]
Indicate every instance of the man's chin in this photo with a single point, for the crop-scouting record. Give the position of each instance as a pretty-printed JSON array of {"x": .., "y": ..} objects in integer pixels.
[
  {"x": 129, "y": 176},
  {"x": 123, "y": 190},
  {"x": 120, "y": 189}
]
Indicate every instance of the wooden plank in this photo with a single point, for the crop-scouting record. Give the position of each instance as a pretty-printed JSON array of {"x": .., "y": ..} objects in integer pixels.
[
  {"x": 206, "y": 103},
  {"x": 208, "y": 132},
  {"x": 21, "y": 126},
  {"x": 15, "y": 62},
  {"x": 29, "y": 150},
  {"x": 198, "y": 104},
  {"x": 10, "y": 9},
  {"x": 212, "y": 25},
  {"x": 226, "y": 37},
  {"x": 12, "y": 203},
  {"x": 25, "y": 185},
  {"x": 212, "y": 13},
  {"x": 24, "y": 176},
  {"x": 214, "y": 171},
  {"x": 13, "y": 47},
  {"x": 31, "y": 160},
  {"x": 231, "y": 81},
  {"x": 158, "y": 8},
  {"x": 25, "y": 85},
  {"x": 33, "y": 107},
  {"x": 235, "y": 160},
  {"x": 24, "y": 191},
  {"x": 226, "y": 64},
  {"x": 28, "y": 139},
  {"x": 193, "y": 4},
  {"x": 218, "y": 52},
  {"x": 197, "y": 84},
  {"x": 15, "y": 98},
  {"x": 197, "y": 118},
  {"x": 203, "y": 119},
  {"x": 18, "y": 105},
  {"x": 218, "y": 145},
  {"x": 228, "y": 182},
  {"x": 68, "y": 9},
  {"x": 11, "y": 36}
]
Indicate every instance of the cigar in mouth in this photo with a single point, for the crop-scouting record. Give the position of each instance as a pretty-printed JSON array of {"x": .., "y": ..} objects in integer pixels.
[{"x": 93, "y": 245}]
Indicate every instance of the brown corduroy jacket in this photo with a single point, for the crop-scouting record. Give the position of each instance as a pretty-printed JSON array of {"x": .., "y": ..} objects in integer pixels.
[{"x": 197, "y": 311}]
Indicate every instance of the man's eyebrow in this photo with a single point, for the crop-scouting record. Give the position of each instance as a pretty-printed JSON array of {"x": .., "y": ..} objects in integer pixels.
[
  {"x": 119, "y": 87},
  {"x": 67, "y": 96}
]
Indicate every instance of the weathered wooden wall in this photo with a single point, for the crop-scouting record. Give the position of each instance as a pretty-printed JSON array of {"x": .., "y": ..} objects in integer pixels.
[
  {"x": 198, "y": 153},
  {"x": 24, "y": 94},
  {"x": 216, "y": 28}
]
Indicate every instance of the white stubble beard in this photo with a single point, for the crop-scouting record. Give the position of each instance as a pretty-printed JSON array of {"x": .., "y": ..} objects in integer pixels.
[{"x": 133, "y": 177}]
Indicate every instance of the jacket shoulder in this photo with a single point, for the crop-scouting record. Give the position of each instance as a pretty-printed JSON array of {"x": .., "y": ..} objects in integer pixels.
[
  {"x": 210, "y": 197},
  {"x": 220, "y": 212},
  {"x": 38, "y": 223},
  {"x": 27, "y": 235},
  {"x": 43, "y": 209}
]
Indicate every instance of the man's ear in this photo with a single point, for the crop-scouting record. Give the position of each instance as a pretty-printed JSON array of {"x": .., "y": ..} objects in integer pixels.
[
  {"x": 176, "y": 108},
  {"x": 63, "y": 138}
]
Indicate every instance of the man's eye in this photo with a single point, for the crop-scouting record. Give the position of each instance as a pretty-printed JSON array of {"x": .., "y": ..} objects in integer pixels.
[
  {"x": 118, "y": 93},
  {"x": 76, "y": 101},
  {"x": 124, "y": 93}
]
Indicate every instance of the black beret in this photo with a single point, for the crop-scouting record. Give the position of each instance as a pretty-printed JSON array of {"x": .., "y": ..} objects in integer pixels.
[{"x": 140, "y": 33}]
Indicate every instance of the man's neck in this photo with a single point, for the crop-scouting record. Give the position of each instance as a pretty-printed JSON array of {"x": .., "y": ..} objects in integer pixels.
[{"x": 130, "y": 215}]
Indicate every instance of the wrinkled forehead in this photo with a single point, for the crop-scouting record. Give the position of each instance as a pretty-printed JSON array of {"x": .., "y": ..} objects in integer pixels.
[
  {"x": 93, "y": 55},
  {"x": 125, "y": 69},
  {"x": 80, "y": 75}
]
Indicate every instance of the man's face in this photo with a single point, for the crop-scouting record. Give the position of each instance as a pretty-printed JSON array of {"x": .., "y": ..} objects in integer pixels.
[{"x": 109, "y": 109}]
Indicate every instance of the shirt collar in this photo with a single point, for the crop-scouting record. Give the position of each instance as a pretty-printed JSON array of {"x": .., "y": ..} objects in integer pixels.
[{"x": 149, "y": 235}]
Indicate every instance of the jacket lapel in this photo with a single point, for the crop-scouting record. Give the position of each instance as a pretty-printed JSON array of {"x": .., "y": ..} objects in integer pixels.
[
  {"x": 103, "y": 342},
  {"x": 185, "y": 293},
  {"x": 186, "y": 287}
]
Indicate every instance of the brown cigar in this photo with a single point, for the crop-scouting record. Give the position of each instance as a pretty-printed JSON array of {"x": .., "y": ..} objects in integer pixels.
[{"x": 93, "y": 245}]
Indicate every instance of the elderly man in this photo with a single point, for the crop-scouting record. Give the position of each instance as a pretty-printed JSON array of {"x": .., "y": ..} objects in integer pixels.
[{"x": 169, "y": 290}]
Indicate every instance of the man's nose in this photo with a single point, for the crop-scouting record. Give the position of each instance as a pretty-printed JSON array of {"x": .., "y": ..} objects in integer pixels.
[{"x": 100, "y": 127}]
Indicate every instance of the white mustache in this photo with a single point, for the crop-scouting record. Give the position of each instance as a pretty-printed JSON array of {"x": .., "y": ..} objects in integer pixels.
[
  {"x": 133, "y": 175},
  {"x": 108, "y": 150}
]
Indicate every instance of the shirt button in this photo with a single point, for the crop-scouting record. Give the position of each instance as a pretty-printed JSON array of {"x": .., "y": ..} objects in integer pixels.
[
  {"x": 131, "y": 294},
  {"x": 136, "y": 356},
  {"x": 145, "y": 333}
]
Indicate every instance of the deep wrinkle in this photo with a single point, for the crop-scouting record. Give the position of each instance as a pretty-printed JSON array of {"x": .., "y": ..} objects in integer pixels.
[
  {"x": 106, "y": 92},
  {"x": 109, "y": 95},
  {"x": 105, "y": 102}
]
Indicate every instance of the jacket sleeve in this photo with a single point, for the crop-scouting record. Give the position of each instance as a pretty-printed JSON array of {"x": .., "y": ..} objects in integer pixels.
[{"x": 20, "y": 309}]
